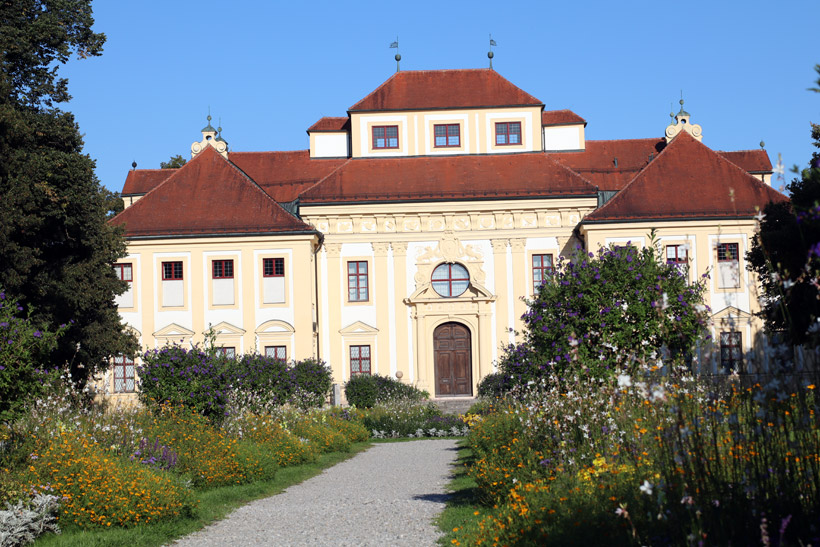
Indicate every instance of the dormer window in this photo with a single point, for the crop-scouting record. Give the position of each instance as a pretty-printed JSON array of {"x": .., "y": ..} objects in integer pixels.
[
  {"x": 507, "y": 133},
  {"x": 385, "y": 136},
  {"x": 447, "y": 135}
]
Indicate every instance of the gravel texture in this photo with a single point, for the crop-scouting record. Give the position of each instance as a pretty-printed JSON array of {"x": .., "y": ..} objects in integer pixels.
[{"x": 387, "y": 495}]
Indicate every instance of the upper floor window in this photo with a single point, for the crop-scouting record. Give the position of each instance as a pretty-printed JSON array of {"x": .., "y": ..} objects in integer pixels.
[
  {"x": 541, "y": 269},
  {"x": 357, "y": 290},
  {"x": 385, "y": 136},
  {"x": 450, "y": 280},
  {"x": 728, "y": 255},
  {"x": 678, "y": 256},
  {"x": 223, "y": 269},
  {"x": 447, "y": 135},
  {"x": 508, "y": 133},
  {"x": 273, "y": 267},
  {"x": 171, "y": 271},
  {"x": 123, "y": 272}
]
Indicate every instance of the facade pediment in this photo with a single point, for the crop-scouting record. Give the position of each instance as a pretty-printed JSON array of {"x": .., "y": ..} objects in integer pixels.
[
  {"x": 173, "y": 330},
  {"x": 275, "y": 327},
  {"x": 358, "y": 328},
  {"x": 225, "y": 328}
]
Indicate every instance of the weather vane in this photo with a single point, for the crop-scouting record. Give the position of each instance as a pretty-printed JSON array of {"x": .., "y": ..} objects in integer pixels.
[
  {"x": 490, "y": 54},
  {"x": 398, "y": 57}
]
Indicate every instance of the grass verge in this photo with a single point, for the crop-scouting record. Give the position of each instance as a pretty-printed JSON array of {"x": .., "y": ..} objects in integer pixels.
[
  {"x": 214, "y": 505},
  {"x": 463, "y": 507}
]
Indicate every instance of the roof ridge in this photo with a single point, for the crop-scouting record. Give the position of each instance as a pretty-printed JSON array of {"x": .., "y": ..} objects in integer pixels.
[
  {"x": 262, "y": 190},
  {"x": 573, "y": 172},
  {"x": 384, "y": 83},
  {"x": 318, "y": 182}
]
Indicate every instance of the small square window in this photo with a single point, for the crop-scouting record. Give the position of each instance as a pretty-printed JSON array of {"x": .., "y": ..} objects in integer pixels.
[
  {"x": 357, "y": 287},
  {"x": 273, "y": 267},
  {"x": 123, "y": 374},
  {"x": 385, "y": 136},
  {"x": 447, "y": 135},
  {"x": 277, "y": 352},
  {"x": 508, "y": 133},
  {"x": 123, "y": 272},
  {"x": 223, "y": 269},
  {"x": 541, "y": 269},
  {"x": 171, "y": 271},
  {"x": 359, "y": 360}
]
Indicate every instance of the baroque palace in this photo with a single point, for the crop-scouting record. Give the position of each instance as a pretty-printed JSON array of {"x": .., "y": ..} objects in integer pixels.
[{"x": 404, "y": 241}]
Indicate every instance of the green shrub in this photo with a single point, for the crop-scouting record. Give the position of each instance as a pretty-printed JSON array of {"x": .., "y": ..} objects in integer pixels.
[
  {"x": 365, "y": 390},
  {"x": 314, "y": 377},
  {"x": 324, "y": 437},
  {"x": 285, "y": 447},
  {"x": 353, "y": 430},
  {"x": 494, "y": 385}
]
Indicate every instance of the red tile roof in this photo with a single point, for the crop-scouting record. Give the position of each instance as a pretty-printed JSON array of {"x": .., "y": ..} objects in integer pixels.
[
  {"x": 451, "y": 177},
  {"x": 284, "y": 175},
  {"x": 561, "y": 117},
  {"x": 753, "y": 161},
  {"x": 330, "y": 124},
  {"x": 143, "y": 180},
  {"x": 687, "y": 181},
  {"x": 597, "y": 161},
  {"x": 209, "y": 195},
  {"x": 439, "y": 89}
]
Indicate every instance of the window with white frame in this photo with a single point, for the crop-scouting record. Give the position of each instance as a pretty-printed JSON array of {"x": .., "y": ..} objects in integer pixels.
[
  {"x": 222, "y": 282},
  {"x": 357, "y": 281},
  {"x": 450, "y": 280},
  {"x": 124, "y": 272},
  {"x": 728, "y": 256},
  {"x": 173, "y": 289},
  {"x": 273, "y": 280}
]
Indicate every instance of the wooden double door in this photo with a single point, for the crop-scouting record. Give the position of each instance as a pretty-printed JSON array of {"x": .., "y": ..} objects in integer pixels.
[{"x": 453, "y": 360}]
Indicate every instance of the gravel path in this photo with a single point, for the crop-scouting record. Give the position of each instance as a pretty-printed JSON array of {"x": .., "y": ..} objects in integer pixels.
[{"x": 387, "y": 495}]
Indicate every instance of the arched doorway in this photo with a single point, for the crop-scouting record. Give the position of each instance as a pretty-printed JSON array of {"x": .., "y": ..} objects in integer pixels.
[{"x": 453, "y": 360}]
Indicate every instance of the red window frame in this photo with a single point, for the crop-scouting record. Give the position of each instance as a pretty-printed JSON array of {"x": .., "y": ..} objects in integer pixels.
[
  {"x": 731, "y": 350},
  {"x": 680, "y": 255},
  {"x": 540, "y": 271},
  {"x": 358, "y": 287},
  {"x": 273, "y": 267},
  {"x": 223, "y": 269},
  {"x": 381, "y": 139},
  {"x": 728, "y": 252},
  {"x": 277, "y": 352},
  {"x": 227, "y": 351},
  {"x": 124, "y": 377},
  {"x": 450, "y": 279},
  {"x": 449, "y": 131},
  {"x": 172, "y": 271},
  {"x": 503, "y": 131},
  {"x": 120, "y": 268},
  {"x": 359, "y": 363}
]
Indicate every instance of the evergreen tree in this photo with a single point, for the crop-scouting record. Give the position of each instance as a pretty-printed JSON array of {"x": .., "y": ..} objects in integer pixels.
[
  {"x": 786, "y": 254},
  {"x": 56, "y": 248},
  {"x": 174, "y": 163}
]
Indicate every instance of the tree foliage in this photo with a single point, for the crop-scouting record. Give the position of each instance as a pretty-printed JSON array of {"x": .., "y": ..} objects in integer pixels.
[
  {"x": 606, "y": 314},
  {"x": 175, "y": 162},
  {"x": 56, "y": 248},
  {"x": 786, "y": 254}
]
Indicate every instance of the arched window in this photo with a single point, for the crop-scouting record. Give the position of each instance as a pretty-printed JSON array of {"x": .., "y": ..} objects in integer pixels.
[{"x": 450, "y": 280}]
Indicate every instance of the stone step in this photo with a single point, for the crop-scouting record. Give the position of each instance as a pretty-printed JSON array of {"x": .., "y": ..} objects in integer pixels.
[{"x": 454, "y": 405}]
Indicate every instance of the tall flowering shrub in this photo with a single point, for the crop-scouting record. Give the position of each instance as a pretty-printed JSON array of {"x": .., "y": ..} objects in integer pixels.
[
  {"x": 607, "y": 313},
  {"x": 22, "y": 347}
]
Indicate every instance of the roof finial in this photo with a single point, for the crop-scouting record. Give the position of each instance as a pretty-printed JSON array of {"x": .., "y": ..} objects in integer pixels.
[
  {"x": 490, "y": 53},
  {"x": 395, "y": 45},
  {"x": 762, "y": 145},
  {"x": 672, "y": 111},
  {"x": 134, "y": 164}
]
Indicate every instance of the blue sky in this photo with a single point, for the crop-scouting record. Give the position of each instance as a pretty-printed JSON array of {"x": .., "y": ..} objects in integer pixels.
[{"x": 271, "y": 69}]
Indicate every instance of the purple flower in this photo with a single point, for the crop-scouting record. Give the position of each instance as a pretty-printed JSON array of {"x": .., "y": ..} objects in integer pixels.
[{"x": 38, "y": 334}]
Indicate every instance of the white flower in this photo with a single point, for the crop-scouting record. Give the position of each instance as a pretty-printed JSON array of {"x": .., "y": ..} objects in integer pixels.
[
  {"x": 658, "y": 393},
  {"x": 624, "y": 380},
  {"x": 646, "y": 488}
]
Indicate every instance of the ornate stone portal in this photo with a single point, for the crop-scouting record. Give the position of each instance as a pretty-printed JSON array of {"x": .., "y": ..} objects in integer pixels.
[{"x": 473, "y": 308}]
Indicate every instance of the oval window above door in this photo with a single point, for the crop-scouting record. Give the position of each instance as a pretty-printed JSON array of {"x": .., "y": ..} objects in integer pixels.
[{"x": 450, "y": 280}]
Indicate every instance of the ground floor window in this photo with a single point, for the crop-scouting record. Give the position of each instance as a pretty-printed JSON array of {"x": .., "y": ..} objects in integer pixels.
[
  {"x": 123, "y": 374},
  {"x": 277, "y": 352},
  {"x": 731, "y": 351},
  {"x": 359, "y": 360},
  {"x": 227, "y": 352},
  {"x": 541, "y": 269}
]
